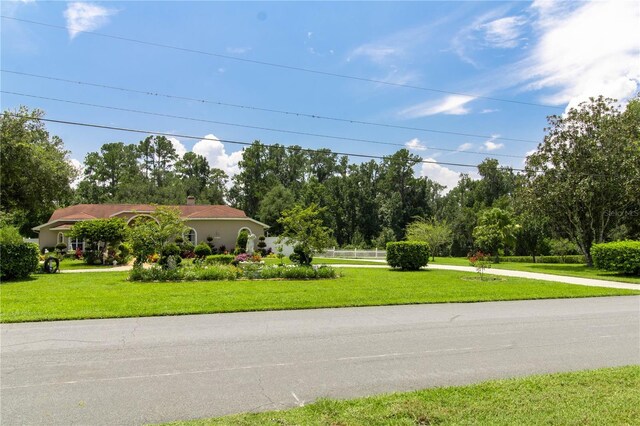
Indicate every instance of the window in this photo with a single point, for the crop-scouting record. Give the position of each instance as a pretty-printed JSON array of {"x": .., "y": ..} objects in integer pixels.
[
  {"x": 60, "y": 238},
  {"x": 76, "y": 244},
  {"x": 191, "y": 236}
]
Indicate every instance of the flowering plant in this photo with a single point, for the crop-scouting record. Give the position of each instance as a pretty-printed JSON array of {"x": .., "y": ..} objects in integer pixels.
[{"x": 481, "y": 261}]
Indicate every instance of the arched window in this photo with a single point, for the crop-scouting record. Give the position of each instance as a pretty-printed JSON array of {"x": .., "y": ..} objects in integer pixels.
[
  {"x": 60, "y": 238},
  {"x": 139, "y": 218},
  {"x": 192, "y": 236},
  {"x": 244, "y": 228}
]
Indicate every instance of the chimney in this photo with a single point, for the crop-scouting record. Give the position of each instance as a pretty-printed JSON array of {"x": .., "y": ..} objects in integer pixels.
[{"x": 191, "y": 200}]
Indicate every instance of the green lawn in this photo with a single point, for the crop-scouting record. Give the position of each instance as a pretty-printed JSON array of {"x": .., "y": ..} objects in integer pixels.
[
  {"x": 67, "y": 264},
  {"x": 599, "y": 397},
  {"x": 568, "y": 269},
  {"x": 109, "y": 294}
]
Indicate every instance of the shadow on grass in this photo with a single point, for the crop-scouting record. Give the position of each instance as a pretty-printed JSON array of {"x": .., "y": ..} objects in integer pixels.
[
  {"x": 17, "y": 281},
  {"x": 580, "y": 268}
]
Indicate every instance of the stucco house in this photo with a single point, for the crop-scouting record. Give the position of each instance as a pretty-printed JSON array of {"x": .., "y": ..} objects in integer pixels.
[{"x": 222, "y": 223}]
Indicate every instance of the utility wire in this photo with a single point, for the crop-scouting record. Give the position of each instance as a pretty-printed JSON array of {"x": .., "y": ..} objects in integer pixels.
[
  {"x": 157, "y": 114},
  {"x": 293, "y": 113},
  {"x": 276, "y": 65},
  {"x": 177, "y": 135}
]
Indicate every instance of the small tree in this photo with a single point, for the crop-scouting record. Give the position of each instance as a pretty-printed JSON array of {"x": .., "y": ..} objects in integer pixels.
[
  {"x": 99, "y": 235},
  {"x": 150, "y": 235},
  {"x": 302, "y": 228},
  {"x": 437, "y": 234},
  {"x": 495, "y": 231}
]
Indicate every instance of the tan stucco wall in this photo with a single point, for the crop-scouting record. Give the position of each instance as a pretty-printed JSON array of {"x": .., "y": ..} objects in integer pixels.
[
  {"x": 48, "y": 238},
  {"x": 224, "y": 231}
]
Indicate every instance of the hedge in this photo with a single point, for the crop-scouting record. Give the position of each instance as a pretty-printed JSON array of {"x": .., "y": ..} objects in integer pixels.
[
  {"x": 577, "y": 258},
  {"x": 18, "y": 260},
  {"x": 620, "y": 256},
  {"x": 407, "y": 255}
]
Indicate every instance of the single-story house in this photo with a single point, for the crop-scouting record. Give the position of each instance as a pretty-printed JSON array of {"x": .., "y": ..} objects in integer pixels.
[{"x": 222, "y": 223}]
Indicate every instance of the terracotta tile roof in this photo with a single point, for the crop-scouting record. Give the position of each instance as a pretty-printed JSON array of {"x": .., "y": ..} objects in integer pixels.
[{"x": 98, "y": 211}]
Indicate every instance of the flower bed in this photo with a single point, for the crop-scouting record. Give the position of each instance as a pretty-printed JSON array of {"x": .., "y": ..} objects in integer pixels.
[{"x": 219, "y": 272}]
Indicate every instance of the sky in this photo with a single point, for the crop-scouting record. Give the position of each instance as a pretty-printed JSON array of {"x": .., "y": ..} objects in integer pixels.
[{"x": 454, "y": 82}]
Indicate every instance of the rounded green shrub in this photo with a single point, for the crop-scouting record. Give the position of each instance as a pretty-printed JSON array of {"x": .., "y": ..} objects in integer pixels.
[
  {"x": 202, "y": 250},
  {"x": 619, "y": 256},
  {"x": 18, "y": 260},
  {"x": 408, "y": 255},
  {"x": 169, "y": 252}
]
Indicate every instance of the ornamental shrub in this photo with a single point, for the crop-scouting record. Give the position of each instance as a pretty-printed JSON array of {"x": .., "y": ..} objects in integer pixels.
[
  {"x": 169, "y": 252},
  {"x": 619, "y": 256},
  {"x": 408, "y": 255},
  {"x": 300, "y": 257},
  {"x": 18, "y": 260},
  {"x": 202, "y": 250}
]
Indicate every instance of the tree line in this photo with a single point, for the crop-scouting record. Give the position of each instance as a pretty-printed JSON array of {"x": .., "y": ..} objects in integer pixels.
[{"x": 581, "y": 184}]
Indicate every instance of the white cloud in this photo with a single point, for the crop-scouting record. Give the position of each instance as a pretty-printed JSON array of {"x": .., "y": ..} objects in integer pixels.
[
  {"x": 214, "y": 151},
  {"x": 504, "y": 32},
  {"x": 465, "y": 147},
  {"x": 375, "y": 53},
  {"x": 309, "y": 34},
  {"x": 395, "y": 45},
  {"x": 86, "y": 17},
  {"x": 440, "y": 174},
  {"x": 79, "y": 167},
  {"x": 451, "y": 104},
  {"x": 488, "y": 110},
  {"x": 586, "y": 50},
  {"x": 178, "y": 146},
  {"x": 492, "y": 146},
  {"x": 415, "y": 145}
]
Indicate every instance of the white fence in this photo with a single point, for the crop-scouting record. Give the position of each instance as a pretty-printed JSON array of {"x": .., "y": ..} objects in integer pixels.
[
  {"x": 355, "y": 254},
  {"x": 271, "y": 243}
]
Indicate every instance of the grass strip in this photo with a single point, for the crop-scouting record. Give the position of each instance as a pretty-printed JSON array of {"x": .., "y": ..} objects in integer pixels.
[
  {"x": 608, "y": 396},
  {"x": 111, "y": 295}
]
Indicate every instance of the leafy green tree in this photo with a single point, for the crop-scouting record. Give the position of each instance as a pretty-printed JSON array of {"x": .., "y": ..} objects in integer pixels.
[
  {"x": 35, "y": 174},
  {"x": 216, "y": 190},
  {"x": 277, "y": 200},
  {"x": 495, "y": 182},
  {"x": 495, "y": 231},
  {"x": 107, "y": 171},
  {"x": 99, "y": 235},
  {"x": 585, "y": 175},
  {"x": 150, "y": 235},
  {"x": 193, "y": 170},
  {"x": 302, "y": 228},
  {"x": 437, "y": 233}
]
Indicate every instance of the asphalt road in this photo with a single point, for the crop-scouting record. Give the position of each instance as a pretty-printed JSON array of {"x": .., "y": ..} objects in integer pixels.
[{"x": 150, "y": 370}]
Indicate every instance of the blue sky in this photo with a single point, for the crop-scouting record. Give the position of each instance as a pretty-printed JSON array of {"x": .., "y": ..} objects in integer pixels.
[{"x": 555, "y": 54}]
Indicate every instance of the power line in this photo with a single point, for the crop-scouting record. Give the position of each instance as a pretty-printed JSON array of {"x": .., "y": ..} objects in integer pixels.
[
  {"x": 177, "y": 135},
  {"x": 281, "y": 66},
  {"x": 292, "y": 113},
  {"x": 157, "y": 114}
]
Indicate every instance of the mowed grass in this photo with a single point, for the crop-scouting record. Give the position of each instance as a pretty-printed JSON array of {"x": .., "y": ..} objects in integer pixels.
[
  {"x": 109, "y": 294},
  {"x": 599, "y": 397},
  {"x": 567, "y": 269}
]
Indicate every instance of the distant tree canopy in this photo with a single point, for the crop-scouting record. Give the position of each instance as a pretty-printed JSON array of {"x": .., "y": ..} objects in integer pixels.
[{"x": 582, "y": 184}]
